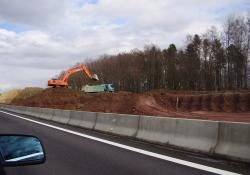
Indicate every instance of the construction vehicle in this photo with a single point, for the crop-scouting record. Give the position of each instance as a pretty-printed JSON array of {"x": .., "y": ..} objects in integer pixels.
[
  {"x": 98, "y": 88},
  {"x": 63, "y": 82}
]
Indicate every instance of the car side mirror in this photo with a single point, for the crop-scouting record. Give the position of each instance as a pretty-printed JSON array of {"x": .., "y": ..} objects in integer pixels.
[{"x": 19, "y": 150}]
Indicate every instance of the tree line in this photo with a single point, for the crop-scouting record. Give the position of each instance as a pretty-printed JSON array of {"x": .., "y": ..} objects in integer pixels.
[{"x": 211, "y": 61}]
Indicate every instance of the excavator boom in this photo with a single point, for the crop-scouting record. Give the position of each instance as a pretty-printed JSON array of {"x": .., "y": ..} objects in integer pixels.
[{"x": 64, "y": 81}]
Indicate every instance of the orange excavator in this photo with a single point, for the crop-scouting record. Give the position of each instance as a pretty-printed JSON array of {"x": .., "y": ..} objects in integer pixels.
[{"x": 63, "y": 82}]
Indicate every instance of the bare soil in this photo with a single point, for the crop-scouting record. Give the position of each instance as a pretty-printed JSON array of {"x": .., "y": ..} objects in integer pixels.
[{"x": 226, "y": 106}]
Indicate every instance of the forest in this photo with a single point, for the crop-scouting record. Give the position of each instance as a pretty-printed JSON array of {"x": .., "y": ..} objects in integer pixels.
[{"x": 213, "y": 61}]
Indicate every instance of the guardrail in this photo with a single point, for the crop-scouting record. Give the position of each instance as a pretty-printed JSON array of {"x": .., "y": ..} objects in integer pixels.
[{"x": 226, "y": 139}]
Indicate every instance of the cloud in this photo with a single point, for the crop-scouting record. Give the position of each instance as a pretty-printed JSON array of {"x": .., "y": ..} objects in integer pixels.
[
  {"x": 33, "y": 12},
  {"x": 38, "y": 38}
]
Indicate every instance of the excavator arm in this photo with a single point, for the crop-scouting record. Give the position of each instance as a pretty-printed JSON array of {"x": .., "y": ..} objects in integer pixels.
[{"x": 64, "y": 81}]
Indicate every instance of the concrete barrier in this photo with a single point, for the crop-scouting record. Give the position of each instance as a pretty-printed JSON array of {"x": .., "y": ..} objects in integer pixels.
[
  {"x": 12, "y": 108},
  {"x": 33, "y": 111},
  {"x": 6, "y": 107},
  {"x": 227, "y": 139},
  {"x": 20, "y": 109},
  {"x": 120, "y": 124},
  {"x": 234, "y": 141},
  {"x": 197, "y": 135},
  {"x": 61, "y": 116},
  {"x": 28, "y": 111},
  {"x": 17, "y": 109},
  {"x": 83, "y": 119},
  {"x": 2, "y": 106},
  {"x": 47, "y": 113},
  {"x": 160, "y": 130}
]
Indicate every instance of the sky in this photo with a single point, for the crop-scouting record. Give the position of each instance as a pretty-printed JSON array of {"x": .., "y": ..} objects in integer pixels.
[{"x": 40, "y": 38}]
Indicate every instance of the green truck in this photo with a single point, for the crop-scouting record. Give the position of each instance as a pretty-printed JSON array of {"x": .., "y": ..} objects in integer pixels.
[{"x": 98, "y": 88}]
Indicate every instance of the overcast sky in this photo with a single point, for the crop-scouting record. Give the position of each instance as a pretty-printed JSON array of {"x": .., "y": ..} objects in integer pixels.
[{"x": 39, "y": 38}]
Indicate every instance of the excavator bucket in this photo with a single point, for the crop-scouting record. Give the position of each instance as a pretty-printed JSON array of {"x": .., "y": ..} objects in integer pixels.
[{"x": 95, "y": 77}]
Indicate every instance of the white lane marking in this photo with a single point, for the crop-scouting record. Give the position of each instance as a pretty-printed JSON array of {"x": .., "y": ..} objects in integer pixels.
[{"x": 141, "y": 151}]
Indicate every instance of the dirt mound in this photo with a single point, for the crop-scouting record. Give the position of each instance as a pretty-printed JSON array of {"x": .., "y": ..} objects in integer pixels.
[
  {"x": 62, "y": 98},
  {"x": 185, "y": 103},
  {"x": 16, "y": 96},
  {"x": 8, "y": 96},
  {"x": 147, "y": 105},
  {"x": 217, "y": 101},
  {"x": 230, "y": 102},
  {"x": 206, "y": 102},
  {"x": 55, "y": 98},
  {"x": 244, "y": 102},
  {"x": 196, "y": 103},
  {"x": 26, "y": 93},
  {"x": 198, "y": 106},
  {"x": 166, "y": 100},
  {"x": 122, "y": 102}
]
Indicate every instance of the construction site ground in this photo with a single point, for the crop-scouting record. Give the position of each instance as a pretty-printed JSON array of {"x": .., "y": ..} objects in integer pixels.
[{"x": 226, "y": 106}]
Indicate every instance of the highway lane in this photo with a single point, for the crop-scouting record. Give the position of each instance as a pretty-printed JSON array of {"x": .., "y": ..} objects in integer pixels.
[{"x": 71, "y": 154}]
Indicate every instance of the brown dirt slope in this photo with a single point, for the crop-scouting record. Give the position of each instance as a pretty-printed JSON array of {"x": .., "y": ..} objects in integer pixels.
[
  {"x": 18, "y": 95},
  {"x": 205, "y": 105},
  {"x": 7, "y": 97},
  {"x": 26, "y": 93}
]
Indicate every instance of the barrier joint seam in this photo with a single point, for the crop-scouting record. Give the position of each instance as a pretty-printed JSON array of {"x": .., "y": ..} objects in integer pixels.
[
  {"x": 217, "y": 138},
  {"x": 138, "y": 126},
  {"x": 95, "y": 122}
]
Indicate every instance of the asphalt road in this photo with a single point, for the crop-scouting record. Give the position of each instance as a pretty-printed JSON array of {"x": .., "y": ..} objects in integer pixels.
[{"x": 71, "y": 154}]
